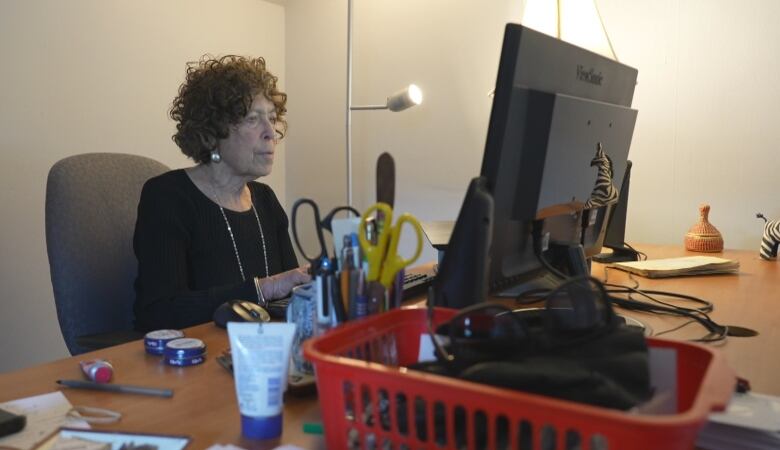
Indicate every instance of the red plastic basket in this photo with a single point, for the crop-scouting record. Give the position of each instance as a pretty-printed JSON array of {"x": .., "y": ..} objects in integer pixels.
[{"x": 369, "y": 400}]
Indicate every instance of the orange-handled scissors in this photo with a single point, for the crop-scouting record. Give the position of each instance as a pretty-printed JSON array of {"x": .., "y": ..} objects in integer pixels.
[{"x": 384, "y": 262}]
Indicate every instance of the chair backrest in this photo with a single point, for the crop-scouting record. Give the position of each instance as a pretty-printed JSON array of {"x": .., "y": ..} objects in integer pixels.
[{"x": 91, "y": 208}]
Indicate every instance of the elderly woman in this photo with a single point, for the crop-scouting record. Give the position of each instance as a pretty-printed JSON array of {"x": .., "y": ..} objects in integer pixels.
[{"x": 210, "y": 233}]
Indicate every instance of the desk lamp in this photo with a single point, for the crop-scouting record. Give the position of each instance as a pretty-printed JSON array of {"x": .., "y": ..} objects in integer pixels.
[{"x": 399, "y": 101}]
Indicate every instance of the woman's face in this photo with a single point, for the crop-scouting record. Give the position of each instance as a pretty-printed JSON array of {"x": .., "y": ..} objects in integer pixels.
[{"x": 249, "y": 148}]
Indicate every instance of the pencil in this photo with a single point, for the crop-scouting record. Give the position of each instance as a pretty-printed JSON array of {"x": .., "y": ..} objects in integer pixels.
[{"x": 121, "y": 388}]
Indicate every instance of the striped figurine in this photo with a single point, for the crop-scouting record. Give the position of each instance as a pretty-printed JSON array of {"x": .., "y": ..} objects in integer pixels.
[
  {"x": 771, "y": 238},
  {"x": 604, "y": 193}
]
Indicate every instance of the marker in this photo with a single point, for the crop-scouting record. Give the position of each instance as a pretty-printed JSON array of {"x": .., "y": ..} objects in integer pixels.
[
  {"x": 121, "y": 388},
  {"x": 313, "y": 428}
]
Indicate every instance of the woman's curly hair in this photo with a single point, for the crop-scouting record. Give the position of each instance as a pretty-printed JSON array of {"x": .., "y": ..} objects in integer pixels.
[{"x": 216, "y": 94}]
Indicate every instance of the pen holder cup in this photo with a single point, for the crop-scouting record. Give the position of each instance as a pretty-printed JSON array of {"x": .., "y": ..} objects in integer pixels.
[{"x": 302, "y": 311}]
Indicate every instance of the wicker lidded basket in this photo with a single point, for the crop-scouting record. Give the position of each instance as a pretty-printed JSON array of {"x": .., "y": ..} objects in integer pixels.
[{"x": 703, "y": 236}]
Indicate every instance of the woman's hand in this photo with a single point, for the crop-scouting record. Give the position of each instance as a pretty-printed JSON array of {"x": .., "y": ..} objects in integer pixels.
[{"x": 280, "y": 285}]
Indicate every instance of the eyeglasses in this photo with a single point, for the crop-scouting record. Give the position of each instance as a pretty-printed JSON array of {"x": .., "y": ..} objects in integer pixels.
[{"x": 577, "y": 311}]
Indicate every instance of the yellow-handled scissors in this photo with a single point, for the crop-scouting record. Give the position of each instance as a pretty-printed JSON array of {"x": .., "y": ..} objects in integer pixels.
[{"x": 384, "y": 262}]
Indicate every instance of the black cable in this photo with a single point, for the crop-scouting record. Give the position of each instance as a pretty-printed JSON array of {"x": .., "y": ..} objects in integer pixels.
[
  {"x": 641, "y": 256},
  {"x": 719, "y": 337},
  {"x": 536, "y": 295},
  {"x": 696, "y": 314},
  {"x": 621, "y": 289},
  {"x": 671, "y": 330},
  {"x": 718, "y": 331},
  {"x": 536, "y": 235}
]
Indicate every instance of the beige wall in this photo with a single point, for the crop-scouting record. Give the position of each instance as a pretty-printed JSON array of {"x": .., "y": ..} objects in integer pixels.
[
  {"x": 706, "y": 96},
  {"x": 450, "y": 49},
  {"x": 95, "y": 76},
  {"x": 707, "y": 128}
]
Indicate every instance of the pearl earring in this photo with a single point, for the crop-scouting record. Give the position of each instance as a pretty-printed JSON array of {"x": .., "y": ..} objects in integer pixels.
[{"x": 215, "y": 157}]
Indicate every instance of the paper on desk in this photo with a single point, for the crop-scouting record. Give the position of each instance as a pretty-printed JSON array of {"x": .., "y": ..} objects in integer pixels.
[
  {"x": 79, "y": 444},
  {"x": 751, "y": 410},
  {"x": 752, "y": 421},
  {"x": 686, "y": 265},
  {"x": 45, "y": 414},
  {"x": 116, "y": 440}
]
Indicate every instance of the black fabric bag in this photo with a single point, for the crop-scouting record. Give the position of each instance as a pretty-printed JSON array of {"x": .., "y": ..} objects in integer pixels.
[{"x": 574, "y": 349}]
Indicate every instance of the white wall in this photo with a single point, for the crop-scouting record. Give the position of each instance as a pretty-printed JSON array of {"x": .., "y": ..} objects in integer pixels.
[
  {"x": 706, "y": 96},
  {"x": 98, "y": 76},
  {"x": 707, "y": 100},
  {"x": 450, "y": 49},
  {"x": 315, "y": 40},
  {"x": 95, "y": 76}
]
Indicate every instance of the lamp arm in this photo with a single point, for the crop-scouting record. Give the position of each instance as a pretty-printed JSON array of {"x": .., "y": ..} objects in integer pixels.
[{"x": 366, "y": 107}]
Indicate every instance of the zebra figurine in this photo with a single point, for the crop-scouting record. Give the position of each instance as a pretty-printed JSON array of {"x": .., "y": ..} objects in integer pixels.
[
  {"x": 604, "y": 193},
  {"x": 771, "y": 238}
]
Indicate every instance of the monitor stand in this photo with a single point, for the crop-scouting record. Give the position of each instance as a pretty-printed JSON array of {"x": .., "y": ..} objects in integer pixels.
[
  {"x": 532, "y": 289},
  {"x": 618, "y": 254},
  {"x": 529, "y": 288}
]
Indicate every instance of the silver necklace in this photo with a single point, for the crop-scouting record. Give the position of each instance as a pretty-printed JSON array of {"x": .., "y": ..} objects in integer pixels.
[{"x": 230, "y": 230}]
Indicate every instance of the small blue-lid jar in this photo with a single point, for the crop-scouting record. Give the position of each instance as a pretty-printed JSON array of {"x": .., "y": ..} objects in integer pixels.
[
  {"x": 154, "y": 341},
  {"x": 184, "y": 352},
  {"x": 261, "y": 427}
]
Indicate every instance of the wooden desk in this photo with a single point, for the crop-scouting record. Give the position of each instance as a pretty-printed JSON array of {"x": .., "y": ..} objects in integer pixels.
[
  {"x": 204, "y": 403},
  {"x": 750, "y": 299},
  {"x": 203, "y": 406}
]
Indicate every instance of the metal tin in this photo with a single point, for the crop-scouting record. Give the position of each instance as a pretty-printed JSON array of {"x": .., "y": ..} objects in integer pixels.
[
  {"x": 184, "y": 352},
  {"x": 154, "y": 341},
  {"x": 184, "y": 362}
]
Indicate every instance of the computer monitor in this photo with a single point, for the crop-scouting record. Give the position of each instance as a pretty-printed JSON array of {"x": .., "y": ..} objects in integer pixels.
[{"x": 555, "y": 106}]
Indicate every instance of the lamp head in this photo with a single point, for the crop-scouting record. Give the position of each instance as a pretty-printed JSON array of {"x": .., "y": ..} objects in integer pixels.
[
  {"x": 405, "y": 98},
  {"x": 575, "y": 21}
]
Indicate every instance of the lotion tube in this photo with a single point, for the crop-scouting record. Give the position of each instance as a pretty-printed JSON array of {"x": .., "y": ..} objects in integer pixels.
[{"x": 261, "y": 360}]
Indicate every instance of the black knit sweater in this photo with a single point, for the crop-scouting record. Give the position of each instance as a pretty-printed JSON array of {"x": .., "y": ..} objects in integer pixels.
[{"x": 186, "y": 263}]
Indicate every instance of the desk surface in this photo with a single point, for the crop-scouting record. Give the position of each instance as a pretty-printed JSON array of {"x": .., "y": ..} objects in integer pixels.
[
  {"x": 749, "y": 299},
  {"x": 204, "y": 403}
]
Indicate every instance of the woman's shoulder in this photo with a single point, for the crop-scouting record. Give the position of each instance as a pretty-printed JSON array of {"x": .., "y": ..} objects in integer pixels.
[
  {"x": 171, "y": 187},
  {"x": 172, "y": 179}
]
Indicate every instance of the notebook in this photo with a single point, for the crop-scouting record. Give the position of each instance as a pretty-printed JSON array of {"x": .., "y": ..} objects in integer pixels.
[{"x": 683, "y": 266}]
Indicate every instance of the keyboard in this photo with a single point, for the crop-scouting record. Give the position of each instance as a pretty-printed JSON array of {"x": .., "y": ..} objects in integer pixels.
[{"x": 416, "y": 284}]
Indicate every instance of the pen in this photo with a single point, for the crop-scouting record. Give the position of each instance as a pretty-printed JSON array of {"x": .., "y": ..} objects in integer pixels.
[
  {"x": 357, "y": 258},
  {"x": 344, "y": 278},
  {"x": 123, "y": 388},
  {"x": 334, "y": 296},
  {"x": 361, "y": 302}
]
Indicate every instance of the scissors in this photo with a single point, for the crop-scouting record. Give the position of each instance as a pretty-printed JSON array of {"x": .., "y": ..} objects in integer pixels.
[
  {"x": 384, "y": 262},
  {"x": 322, "y": 266}
]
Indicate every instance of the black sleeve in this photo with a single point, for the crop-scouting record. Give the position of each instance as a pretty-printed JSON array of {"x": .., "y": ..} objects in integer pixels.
[{"x": 162, "y": 235}]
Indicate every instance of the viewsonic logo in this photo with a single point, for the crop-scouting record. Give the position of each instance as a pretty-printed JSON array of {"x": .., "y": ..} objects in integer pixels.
[{"x": 589, "y": 76}]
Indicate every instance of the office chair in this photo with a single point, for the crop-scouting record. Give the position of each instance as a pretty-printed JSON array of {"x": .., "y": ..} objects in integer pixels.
[{"x": 91, "y": 207}]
